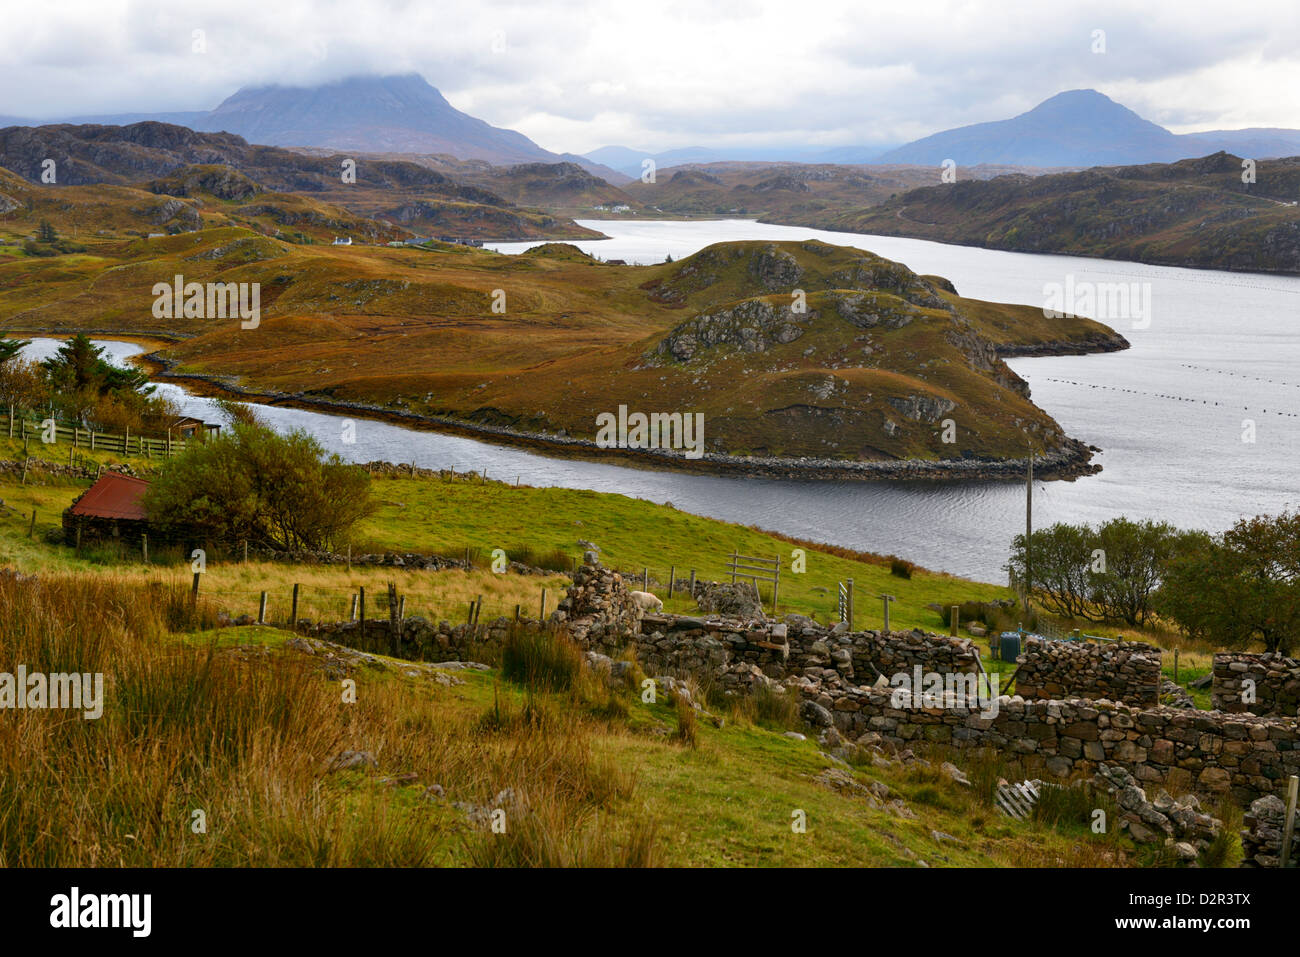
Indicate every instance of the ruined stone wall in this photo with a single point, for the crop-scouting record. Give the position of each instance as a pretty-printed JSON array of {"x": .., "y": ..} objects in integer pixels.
[
  {"x": 597, "y": 608},
  {"x": 1127, "y": 672},
  {"x": 1261, "y": 835},
  {"x": 1209, "y": 752},
  {"x": 601, "y": 617},
  {"x": 1277, "y": 683}
]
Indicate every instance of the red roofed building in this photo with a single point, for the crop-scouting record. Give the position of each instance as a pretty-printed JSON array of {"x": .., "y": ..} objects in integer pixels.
[{"x": 110, "y": 508}]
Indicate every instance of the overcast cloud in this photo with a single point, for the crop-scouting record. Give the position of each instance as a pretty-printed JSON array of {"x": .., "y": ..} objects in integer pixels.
[{"x": 575, "y": 76}]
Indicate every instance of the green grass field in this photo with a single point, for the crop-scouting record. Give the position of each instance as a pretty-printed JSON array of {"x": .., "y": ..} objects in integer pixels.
[{"x": 447, "y": 516}]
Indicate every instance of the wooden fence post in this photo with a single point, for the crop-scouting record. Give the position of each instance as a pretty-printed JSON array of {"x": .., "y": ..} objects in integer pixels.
[
  {"x": 293, "y": 610},
  {"x": 394, "y": 622},
  {"x": 245, "y": 551},
  {"x": 672, "y": 578},
  {"x": 645, "y": 579},
  {"x": 953, "y": 614},
  {"x": 692, "y": 583},
  {"x": 1175, "y": 666},
  {"x": 144, "y": 546},
  {"x": 361, "y": 610},
  {"x": 1288, "y": 826},
  {"x": 261, "y": 610},
  {"x": 194, "y": 590},
  {"x": 352, "y": 615},
  {"x": 543, "y": 614}
]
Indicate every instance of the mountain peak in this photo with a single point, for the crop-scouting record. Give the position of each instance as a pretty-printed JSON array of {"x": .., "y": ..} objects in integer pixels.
[
  {"x": 1071, "y": 128},
  {"x": 394, "y": 113}
]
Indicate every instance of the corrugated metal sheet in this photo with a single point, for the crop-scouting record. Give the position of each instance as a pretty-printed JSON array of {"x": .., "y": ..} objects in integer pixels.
[{"x": 113, "y": 495}]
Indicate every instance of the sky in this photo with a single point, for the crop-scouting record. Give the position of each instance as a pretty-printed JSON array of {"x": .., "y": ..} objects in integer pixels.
[{"x": 574, "y": 76}]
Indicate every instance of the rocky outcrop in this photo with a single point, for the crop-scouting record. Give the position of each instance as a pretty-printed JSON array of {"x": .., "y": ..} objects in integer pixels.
[
  {"x": 922, "y": 408},
  {"x": 753, "y": 325}
]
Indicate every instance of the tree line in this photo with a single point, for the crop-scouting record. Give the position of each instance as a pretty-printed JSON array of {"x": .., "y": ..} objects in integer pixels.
[
  {"x": 78, "y": 384},
  {"x": 1232, "y": 589}
]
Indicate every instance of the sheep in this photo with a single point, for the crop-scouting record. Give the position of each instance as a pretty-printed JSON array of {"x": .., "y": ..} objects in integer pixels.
[{"x": 645, "y": 602}]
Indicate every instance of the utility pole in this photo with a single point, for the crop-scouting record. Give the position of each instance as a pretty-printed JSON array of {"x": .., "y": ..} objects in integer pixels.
[{"x": 1029, "y": 529}]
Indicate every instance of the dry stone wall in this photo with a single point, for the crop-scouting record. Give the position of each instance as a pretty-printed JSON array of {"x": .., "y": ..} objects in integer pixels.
[
  {"x": 1209, "y": 752},
  {"x": 1127, "y": 672},
  {"x": 1276, "y": 683},
  {"x": 601, "y": 617}
]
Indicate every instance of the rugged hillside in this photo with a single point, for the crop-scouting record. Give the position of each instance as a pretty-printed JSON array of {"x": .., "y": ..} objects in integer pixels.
[
  {"x": 1190, "y": 213},
  {"x": 193, "y": 198},
  {"x": 882, "y": 368},
  {"x": 421, "y": 200},
  {"x": 783, "y": 192},
  {"x": 551, "y": 186}
]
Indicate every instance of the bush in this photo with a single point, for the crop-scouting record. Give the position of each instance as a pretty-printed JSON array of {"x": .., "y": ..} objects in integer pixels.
[
  {"x": 901, "y": 568},
  {"x": 253, "y": 484}
]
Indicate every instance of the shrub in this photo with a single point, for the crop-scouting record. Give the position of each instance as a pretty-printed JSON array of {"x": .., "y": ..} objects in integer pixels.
[
  {"x": 253, "y": 484},
  {"x": 901, "y": 568}
]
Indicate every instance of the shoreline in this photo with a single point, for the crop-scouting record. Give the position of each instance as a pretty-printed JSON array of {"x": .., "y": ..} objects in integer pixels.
[
  {"x": 1072, "y": 461},
  {"x": 1068, "y": 463}
]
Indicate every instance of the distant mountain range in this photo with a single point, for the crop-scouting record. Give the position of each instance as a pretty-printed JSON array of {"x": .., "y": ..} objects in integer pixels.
[
  {"x": 375, "y": 114},
  {"x": 1078, "y": 128},
  {"x": 630, "y": 161}
]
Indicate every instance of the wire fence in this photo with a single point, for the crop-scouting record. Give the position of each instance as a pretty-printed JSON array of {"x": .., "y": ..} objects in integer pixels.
[{"x": 676, "y": 585}]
